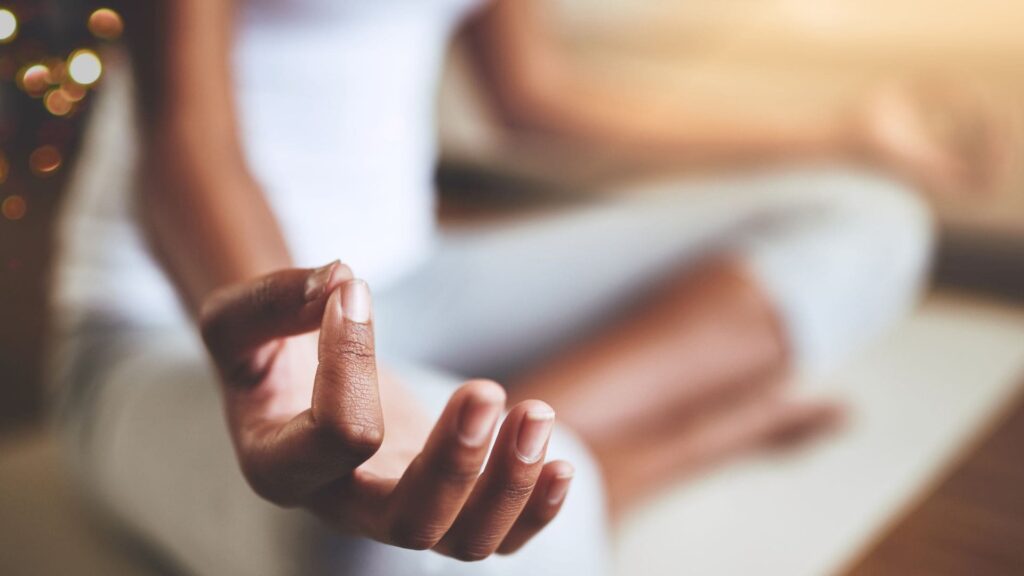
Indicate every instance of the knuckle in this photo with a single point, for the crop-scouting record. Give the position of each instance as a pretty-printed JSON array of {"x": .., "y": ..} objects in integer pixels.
[
  {"x": 261, "y": 292},
  {"x": 473, "y": 551},
  {"x": 459, "y": 469},
  {"x": 516, "y": 490},
  {"x": 361, "y": 438},
  {"x": 265, "y": 486},
  {"x": 416, "y": 536},
  {"x": 265, "y": 297},
  {"x": 355, "y": 349}
]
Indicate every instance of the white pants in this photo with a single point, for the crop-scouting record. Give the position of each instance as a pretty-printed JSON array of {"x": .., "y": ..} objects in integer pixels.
[{"x": 841, "y": 253}]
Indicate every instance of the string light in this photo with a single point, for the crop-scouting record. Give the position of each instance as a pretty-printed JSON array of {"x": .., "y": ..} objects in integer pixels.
[
  {"x": 35, "y": 79},
  {"x": 73, "y": 92},
  {"x": 44, "y": 160},
  {"x": 106, "y": 24},
  {"x": 57, "y": 102},
  {"x": 61, "y": 83},
  {"x": 14, "y": 207},
  {"x": 8, "y": 26},
  {"x": 84, "y": 67}
]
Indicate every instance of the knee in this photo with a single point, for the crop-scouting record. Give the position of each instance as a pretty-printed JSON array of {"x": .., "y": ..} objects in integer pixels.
[
  {"x": 852, "y": 260},
  {"x": 884, "y": 228},
  {"x": 898, "y": 225}
]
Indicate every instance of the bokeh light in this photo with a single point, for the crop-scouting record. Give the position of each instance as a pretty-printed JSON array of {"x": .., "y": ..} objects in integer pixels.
[
  {"x": 4, "y": 168},
  {"x": 73, "y": 92},
  {"x": 8, "y": 25},
  {"x": 35, "y": 79},
  {"x": 45, "y": 160},
  {"x": 57, "y": 102},
  {"x": 85, "y": 67},
  {"x": 106, "y": 24},
  {"x": 14, "y": 207}
]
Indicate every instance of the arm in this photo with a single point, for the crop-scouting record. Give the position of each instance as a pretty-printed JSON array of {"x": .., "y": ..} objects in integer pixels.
[
  {"x": 536, "y": 90},
  {"x": 294, "y": 348},
  {"x": 892, "y": 127},
  {"x": 203, "y": 212}
]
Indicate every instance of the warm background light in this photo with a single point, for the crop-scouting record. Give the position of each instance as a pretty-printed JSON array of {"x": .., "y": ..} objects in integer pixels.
[
  {"x": 73, "y": 92},
  {"x": 57, "y": 102},
  {"x": 84, "y": 67},
  {"x": 45, "y": 160},
  {"x": 14, "y": 207},
  {"x": 105, "y": 23},
  {"x": 8, "y": 25},
  {"x": 35, "y": 79}
]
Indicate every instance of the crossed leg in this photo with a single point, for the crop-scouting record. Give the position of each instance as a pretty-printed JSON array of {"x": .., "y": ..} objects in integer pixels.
[
  {"x": 708, "y": 285},
  {"x": 663, "y": 326}
]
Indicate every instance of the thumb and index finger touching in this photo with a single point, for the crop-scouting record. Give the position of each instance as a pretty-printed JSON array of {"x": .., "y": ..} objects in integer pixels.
[
  {"x": 239, "y": 320},
  {"x": 243, "y": 325}
]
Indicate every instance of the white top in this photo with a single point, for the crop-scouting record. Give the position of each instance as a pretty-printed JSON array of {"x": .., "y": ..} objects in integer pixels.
[{"x": 336, "y": 107}]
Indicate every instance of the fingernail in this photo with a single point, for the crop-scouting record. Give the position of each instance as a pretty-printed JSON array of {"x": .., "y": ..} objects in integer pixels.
[
  {"x": 533, "y": 433},
  {"x": 476, "y": 422},
  {"x": 316, "y": 284},
  {"x": 355, "y": 301},
  {"x": 559, "y": 488}
]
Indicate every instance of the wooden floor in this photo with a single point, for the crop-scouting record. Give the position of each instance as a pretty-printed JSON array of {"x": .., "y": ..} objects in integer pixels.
[{"x": 971, "y": 524}]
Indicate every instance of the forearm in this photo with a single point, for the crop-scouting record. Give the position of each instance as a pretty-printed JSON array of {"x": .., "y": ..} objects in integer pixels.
[
  {"x": 537, "y": 90},
  {"x": 206, "y": 217},
  {"x": 656, "y": 127},
  {"x": 203, "y": 212}
]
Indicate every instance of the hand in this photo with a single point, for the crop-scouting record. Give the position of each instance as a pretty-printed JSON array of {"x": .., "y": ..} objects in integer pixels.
[
  {"x": 948, "y": 142},
  {"x": 309, "y": 429}
]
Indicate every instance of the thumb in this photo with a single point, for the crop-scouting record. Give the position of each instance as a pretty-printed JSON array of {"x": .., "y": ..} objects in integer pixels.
[{"x": 237, "y": 321}]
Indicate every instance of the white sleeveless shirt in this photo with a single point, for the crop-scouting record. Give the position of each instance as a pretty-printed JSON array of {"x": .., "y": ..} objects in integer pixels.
[{"x": 336, "y": 106}]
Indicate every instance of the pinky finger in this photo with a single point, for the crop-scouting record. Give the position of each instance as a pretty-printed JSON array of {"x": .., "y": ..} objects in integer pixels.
[{"x": 543, "y": 506}]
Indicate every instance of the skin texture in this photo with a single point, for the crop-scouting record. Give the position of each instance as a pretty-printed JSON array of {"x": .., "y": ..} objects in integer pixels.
[
  {"x": 327, "y": 447},
  {"x": 313, "y": 421},
  {"x": 305, "y": 412}
]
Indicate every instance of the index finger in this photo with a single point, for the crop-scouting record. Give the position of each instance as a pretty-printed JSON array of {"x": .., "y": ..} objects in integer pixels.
[{"x": 238, "y": 320}]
